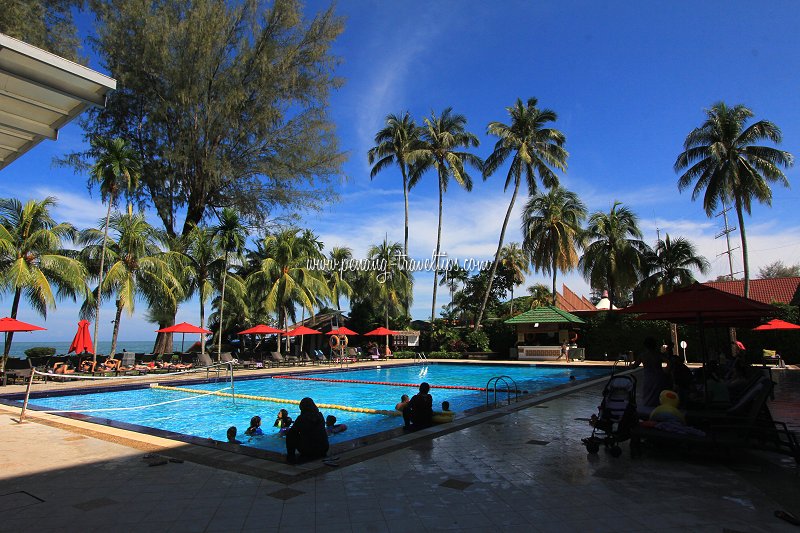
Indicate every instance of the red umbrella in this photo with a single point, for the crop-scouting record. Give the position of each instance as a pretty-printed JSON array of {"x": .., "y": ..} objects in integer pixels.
[
  {"x": 776, "y": 324},
  {"x": 82, "y": 343},
  {"x": 184, "y": 328},
  {"x": 10, "y": 325},
  {"x": 302, "y": 330},
  {"x": 341, "y": 331},
  {"x": 380, "y": 331},
  {"x": 260, "y": 329}
]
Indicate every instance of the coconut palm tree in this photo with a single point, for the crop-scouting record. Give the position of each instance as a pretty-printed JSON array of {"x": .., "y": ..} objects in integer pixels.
[
  {"x": 204, "y": 262},
  {"x": 231, "y": 237},
  {"x": 551, "y": 226},
  {"x": 534, "y": 149},
  {"x": 669, "y": 267},
  {"x": 516, "y": 261},
  {"x": 32, "y": 260},
  {"x": 613, "y": 257},
  {"x": 338, "y": 277},
  {"x": 137, "y": 264},
  {"x": 440, "y": 140},
  {"x": 116, "y": 170},
  {"x": 393, "y": 145},
  {"x": 393, "y": 286},
  {"x": 281, "y": 278},
  {"x": 722, "y": 160},
  {"x": 539, "y": 294}
]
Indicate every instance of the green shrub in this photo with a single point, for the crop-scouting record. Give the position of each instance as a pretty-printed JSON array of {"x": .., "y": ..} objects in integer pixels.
[
  {"x": 445, "y": 355},
  {"x": 40, "y": 351},
  {"x": 404, "y": 355},
  {"x": 477, "y": 340}
]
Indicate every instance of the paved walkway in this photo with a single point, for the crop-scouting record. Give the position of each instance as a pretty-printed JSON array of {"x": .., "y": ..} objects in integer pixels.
[{"x": 524, "y": 471}]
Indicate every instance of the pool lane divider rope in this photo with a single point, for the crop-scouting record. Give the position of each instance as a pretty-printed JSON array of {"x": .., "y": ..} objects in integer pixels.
[
  {"x": 278, "y": 400},
  {"x": 387, "y": 383}
]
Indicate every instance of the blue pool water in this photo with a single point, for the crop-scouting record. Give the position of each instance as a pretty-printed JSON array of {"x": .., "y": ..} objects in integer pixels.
[{"x": 211, "y": 416}]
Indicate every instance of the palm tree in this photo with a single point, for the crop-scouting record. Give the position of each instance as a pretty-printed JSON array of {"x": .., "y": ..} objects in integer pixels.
[
  {"x": 231, "y": 236},
  {"x": 551, "y": 226},
  {"x": 725, "y": 165},
  {"x": 669, "y": 267},
  {"x": 204, "y": 261},
  {"x": 32, "y": 260},
  {"x": 516, "y": 261},
  {"x": 534, "y": 149},
  {"x": 136, "y": 263},
  {"x": 393, "y": 144},
  {"x": 454, "y": 277},
  {"x": 613, "y": 258},
  {"x": 440, "y": 139},
  {"x": 392, "y": 286},
  {"x": 116, "y": 169},
  {"x": 338, "y": 276},
  {"x": 539, "y": 294},
  {"x": 281, "y": 276}
]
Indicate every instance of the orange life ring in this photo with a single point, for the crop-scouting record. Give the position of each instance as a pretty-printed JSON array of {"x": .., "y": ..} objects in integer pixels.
[
  {"x": 337, "y": 342},
  {"x": 343, "y": 340}
]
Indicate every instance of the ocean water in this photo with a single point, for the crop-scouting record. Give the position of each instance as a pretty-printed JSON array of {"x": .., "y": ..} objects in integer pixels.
[{"x": 18, "y": 347}]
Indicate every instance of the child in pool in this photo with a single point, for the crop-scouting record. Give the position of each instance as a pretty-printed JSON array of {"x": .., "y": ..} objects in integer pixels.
[
  {"x": 402, "y": 403},
  {"x": 255, "y": 427},
  {"x": 445, "y": 415},
  {"x": 232, "y": 435},
  {"x": 283, "y": 421},
  {"x": 331, "y": 427}
]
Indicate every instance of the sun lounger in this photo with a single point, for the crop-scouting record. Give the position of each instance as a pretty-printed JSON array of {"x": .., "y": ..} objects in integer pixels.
[
  {"x": 17, "y": 369},
  {"x": 277, "y": 359}
]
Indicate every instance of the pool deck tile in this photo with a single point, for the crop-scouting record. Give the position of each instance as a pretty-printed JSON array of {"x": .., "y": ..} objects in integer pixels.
[{"x": 408, "y": 484}]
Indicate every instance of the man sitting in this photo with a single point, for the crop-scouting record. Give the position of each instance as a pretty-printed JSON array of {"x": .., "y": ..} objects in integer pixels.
[{"x": 418, "y": 413}]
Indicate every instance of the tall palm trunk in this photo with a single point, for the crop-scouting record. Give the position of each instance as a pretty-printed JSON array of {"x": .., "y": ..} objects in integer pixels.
[
  {"x": 116, "y": 329},
  {"x": 163, "y": 342},
  {"x": 511, "y": 311},
  {"x": 746, "y": 265},
  {"x": 555, "y": 272},
  {"x": 405, "y": 238},
  {"x": 497, "y": 255},
  {"x": 203, "y": 325},
  {"x": 436, "y": 255},
  {"x": 100, "y": 283},
  {"x": 10, "y": 334},
  {"x": 222, "y": 306}
]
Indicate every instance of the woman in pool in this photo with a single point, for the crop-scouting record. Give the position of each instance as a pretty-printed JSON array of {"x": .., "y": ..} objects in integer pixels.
[
  {"x": 283, "y": 422},
  {"x": 255, "y": 427}
]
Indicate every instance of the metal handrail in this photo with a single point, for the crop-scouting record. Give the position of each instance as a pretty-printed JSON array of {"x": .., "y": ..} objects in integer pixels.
[{"x": 505, "y": 380}]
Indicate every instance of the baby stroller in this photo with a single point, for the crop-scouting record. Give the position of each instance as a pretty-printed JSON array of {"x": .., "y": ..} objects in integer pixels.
[{"x": 616, "y": 417}]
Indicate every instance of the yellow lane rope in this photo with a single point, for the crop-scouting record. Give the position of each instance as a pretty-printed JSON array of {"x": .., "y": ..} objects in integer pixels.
[{"x": 279, "y": 400}]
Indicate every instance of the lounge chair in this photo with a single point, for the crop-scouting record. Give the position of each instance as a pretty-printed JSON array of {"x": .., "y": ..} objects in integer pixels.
[
  {"x": 305, "y": 359},
  {"x": 203, "y": 360},
  {"x": 226, "y": 357},
  {"x": 17, "y": 369},
  {"x": 746, "y": 424},
  {"x": 320, "y": 355},
  {"x": 277, "y": 359}
]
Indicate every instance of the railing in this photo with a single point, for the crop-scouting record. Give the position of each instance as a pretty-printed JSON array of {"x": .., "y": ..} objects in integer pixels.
[
  {"x": 492, "y": 384},
  {"x": 421, "y": 357}
]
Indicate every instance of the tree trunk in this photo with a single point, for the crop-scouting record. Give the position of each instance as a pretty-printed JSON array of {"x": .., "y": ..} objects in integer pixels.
[
  {"x": 100, "y": 283},
  {"x": 113, "y": 350},
  {"x": 163, "y": 342},
  {"x": 222, "y": 307},
  {"x": 497, "y": 254},
  {"x": 436, "y": 255},
  {"x": 203, "y": 323},
  {"x": 511, "y": 311},
  {"x": 10, "y": 334},
  {"x": 745, "y": 262},
  {"x": 405, "y": 237},
  {"x": 555, "y": 273}
]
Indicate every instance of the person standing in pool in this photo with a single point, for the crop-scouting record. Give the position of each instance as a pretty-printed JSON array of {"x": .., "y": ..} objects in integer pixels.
[
  {"x": 307, "y": 436},
  {"x": 418, "y": 413},
  {"x": 255, "y": 427}
]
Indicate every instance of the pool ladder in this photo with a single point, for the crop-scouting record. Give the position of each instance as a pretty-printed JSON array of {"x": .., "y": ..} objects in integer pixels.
[
  {"x": 508, "y": 381},
  {"x": 421, "y": 357}
]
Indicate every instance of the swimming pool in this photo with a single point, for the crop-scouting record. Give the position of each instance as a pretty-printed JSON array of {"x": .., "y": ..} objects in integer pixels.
[{"x": 209, "y": 416}]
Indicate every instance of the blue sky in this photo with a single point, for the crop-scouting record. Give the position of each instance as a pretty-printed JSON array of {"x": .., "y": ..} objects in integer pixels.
[{"x": 628, "y": 83}]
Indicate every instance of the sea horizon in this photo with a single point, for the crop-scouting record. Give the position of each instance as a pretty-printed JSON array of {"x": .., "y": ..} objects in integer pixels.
[{"x": 103, "y": 347}]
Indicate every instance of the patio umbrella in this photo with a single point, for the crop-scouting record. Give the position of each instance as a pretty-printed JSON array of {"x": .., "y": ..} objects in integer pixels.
[
  {"x": 776, "y": 324},
  {"x": 380, "y": 331},
  {"x": 10, "y": 325},
  {"x": 82, "y": 343},
  {"x": 261, "y": 329},
  {"x": 341, "y": 331},
  {"x": 183, "y": 328},
  {"x": 302, "y": 330}
]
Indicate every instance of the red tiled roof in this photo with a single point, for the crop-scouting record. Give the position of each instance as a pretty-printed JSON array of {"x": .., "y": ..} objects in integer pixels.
[
  {"x": 569, "y": 301},
  {"x": 779, "y": 290}
]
